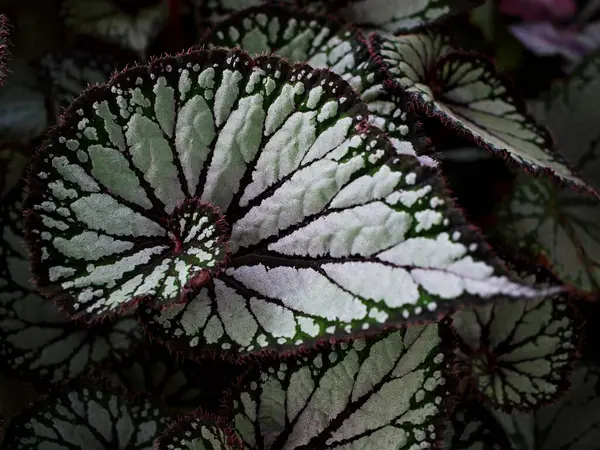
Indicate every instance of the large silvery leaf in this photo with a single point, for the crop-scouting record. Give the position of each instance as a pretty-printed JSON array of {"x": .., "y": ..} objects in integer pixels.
[
  {"x": 242, "y": 194},
  {"x": 23, "y": 115},
  {"x": 473, "y": 427},
  {"x": 520, "y": 353},
  {"x": 199, "y": 431},
  {"x": 67, "y": 74},
  {"x": 87, "y": 415},
  {"x": 37, "y": 340},
  {"x": 324, "y": 43},
  {"x": 396, "y": 15},
  {"x": 387, "y": 393},
  {"x": 571, "y": 423},
  {"x": 562, "y": 225},
  {"x": 465, "y": 92},
  {"x": 183, "y": 384},
  {"x": 109, "y": 20}
]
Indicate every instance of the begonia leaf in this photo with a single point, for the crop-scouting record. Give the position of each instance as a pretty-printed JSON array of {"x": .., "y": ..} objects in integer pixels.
[
  {"x": 37, "y": 340},
  {"x": 251, "y": 200},
  {"x": 467, "y": 94},
  {"x": 520, "y": 353},
  {"x": 87, "y": 415},
  {"x": 387, "y": 393},
  {"x": 561, "y": 225}
]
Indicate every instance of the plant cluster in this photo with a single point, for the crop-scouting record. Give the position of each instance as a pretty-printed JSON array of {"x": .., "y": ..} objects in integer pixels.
[{"x": 296, "y": 225}]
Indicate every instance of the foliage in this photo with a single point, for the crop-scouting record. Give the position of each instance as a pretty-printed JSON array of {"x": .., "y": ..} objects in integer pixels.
[{"x": 302, "y": 224}]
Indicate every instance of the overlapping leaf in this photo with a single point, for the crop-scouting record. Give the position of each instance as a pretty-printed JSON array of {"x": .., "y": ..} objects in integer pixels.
[
  {"x": 316, "y": 209},
  {"x": 563, "y": 225},
  {"x": 400, "y": 15},
  {"x": 571, "y": 423},
  {"x": 520, "y": 353},
  {"x": 14, "y": 397},
  {"x": 385, "y": 393},
  {"x": 199, "y": 431},
  {"x": 108, "y": 20},
  {"x": 183, "y": 384},
  {"x": 23, "y": 115},
  {"x": 466, "y": 93},
  {"x": 36, "y": 339},
  {"x": 67, "y": 74},
  {"x": 324, "y": 43},
  {"x": 473, "y": 427},
  {"x": 86, "y": 415}
]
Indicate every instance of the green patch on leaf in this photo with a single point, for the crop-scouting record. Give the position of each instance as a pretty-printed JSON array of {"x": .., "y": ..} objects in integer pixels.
[
  {"x": 520, "y": 353},
  {"x": 87, "y": 415},
  {"x": 465, "y": 92}
]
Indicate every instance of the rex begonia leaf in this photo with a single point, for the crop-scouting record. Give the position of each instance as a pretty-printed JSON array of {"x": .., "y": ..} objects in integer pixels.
[
  {"x": 387, "y": 393},
  {"x": 68, "y": 73},
  {"x": 87, "y": 415},
  {"x": 108, "y": 20},
  {"x": 37, "y": 340},
  {"x": 23, "y": 114},
  {"x": 398, "y": 15},
  {"x": 562, "y": 225},
  {"x": 473, "y": 427},
  {"x": 250, "y": 197},
  {"x": 323, "y": 43},
  {"x": 4, "y": 52},
  {"x": 570, "y": 423},
  {"x": 466, "y": 93},
  {"x": 199, "y": 431},
  {"x": 520, "y": 353},
  {"x": 183, "y": 384}
]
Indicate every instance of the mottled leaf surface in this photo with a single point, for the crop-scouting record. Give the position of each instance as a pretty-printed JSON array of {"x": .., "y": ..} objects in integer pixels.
[
  {"x": 520, "y": 353},
  {"x": 400, "y": 15},
  {"x": 324, "y": 43},
  {"x": 385, "y": 393},
  {"x": 199, "y": 431},
  {"x": 68, "y": 73},
  {"x": 562, "y": 225},
  {"x": 108, "y": 20},
  {"x": 151, "y": 178},
  {"x": 37, "y": 340},
  {"x": 84, "y": 415},
  {"x": 465, "y": 91}
]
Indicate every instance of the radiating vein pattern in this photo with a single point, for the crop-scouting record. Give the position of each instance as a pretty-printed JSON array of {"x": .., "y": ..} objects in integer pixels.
[
  {"x": 37, "y": 340},
  {"x": 86, "y": 417},
  {"x": 465, "y": 91},
  {"x": 106, "y": 19},
  {"x": 323, "y": 43},
  {"x": 520, "y": 353},
  {"x": 396, "y": 15},
  {"x": 199, "y": 432},
  {"x": 386, "y": 393}
]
